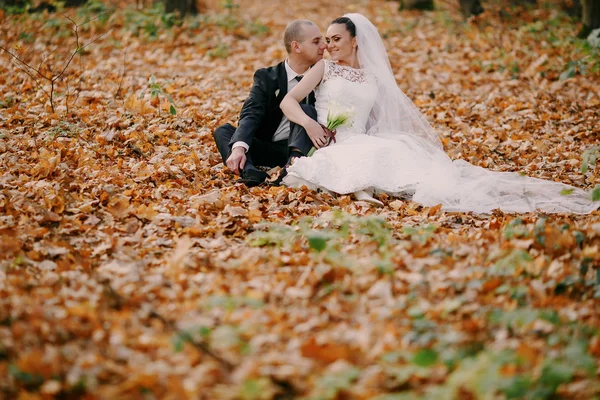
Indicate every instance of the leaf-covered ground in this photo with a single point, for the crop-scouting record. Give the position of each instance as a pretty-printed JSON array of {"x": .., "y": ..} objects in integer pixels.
[{"x": 133, "y": 266}]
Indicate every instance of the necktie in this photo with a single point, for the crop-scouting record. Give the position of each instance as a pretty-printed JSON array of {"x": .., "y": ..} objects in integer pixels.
[{"x": 307, "y": 98}]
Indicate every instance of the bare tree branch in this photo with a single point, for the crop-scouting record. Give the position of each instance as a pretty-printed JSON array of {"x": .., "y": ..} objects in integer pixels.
[
  {"x": 23, "y": 64},
  {"x": 20, "y": 64},
  {"x": 77, "y": 51},
  {"x": 30, "y": 70}
]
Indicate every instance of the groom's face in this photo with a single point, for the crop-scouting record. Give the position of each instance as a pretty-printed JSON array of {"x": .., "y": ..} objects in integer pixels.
[{"x": 312, "y": 46}]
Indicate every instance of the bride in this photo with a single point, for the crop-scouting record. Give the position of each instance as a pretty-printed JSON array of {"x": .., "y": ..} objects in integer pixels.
[{"x": 388, "y": 145}]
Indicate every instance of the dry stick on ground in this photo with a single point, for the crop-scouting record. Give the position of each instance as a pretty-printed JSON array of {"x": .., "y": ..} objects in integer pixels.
[
  {"x": 187, "y": 338},
  {"x": 118, "y": 92},
  {"x": 32, "y": 72},
  {"x": 67, "y": 96},
  {"x": 117, "y": 301}
]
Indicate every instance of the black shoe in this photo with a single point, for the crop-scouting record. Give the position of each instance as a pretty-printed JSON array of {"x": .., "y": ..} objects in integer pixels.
[{"x": 253, "y": 177}]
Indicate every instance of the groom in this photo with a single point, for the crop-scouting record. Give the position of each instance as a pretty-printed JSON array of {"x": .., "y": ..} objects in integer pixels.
[{"x": 264, "y": 135}]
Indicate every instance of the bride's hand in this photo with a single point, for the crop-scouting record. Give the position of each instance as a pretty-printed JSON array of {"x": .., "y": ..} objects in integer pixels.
[
  {"x": 329, "y": 133},
  {"x": 316, "y": 134}
]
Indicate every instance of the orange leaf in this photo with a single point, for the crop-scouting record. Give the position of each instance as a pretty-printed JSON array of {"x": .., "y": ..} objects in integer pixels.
[
  {"x": 492, "y": 284},
  {"x": 528, "y": 354},
  {"x": 327, "y": 352},
  {"x": 434, "y": 210}
]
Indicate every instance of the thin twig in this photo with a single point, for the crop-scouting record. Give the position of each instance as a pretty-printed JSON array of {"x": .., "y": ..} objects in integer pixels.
[
  {"x": 47, "y": 56},
  {"x": 24, "y": 64},
  {"x": 198, "y": 345},
  {"x": 27, "y": 54},
  {"x": 25, "y": 67},
  {"x": 87, "y": 20},
  {"x": 122, "y": 75},
  {"x": 67, "y": 96},
  {"x": 77, "y": 51},
  {"x": 202, "y": 347}
]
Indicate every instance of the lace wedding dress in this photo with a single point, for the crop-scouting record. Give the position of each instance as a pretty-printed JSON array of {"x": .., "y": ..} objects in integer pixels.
[{"x": 407, "y": 165}]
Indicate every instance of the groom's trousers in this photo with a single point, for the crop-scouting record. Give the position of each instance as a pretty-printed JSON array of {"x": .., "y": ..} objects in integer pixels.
[{"x": 265, "y": 152}]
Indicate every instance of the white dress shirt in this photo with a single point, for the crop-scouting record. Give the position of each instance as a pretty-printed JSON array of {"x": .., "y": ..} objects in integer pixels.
[{"x": 283, "y": 130}]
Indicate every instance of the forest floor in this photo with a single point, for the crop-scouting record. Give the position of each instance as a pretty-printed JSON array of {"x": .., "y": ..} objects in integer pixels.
[{"x": 133, "y": 266}]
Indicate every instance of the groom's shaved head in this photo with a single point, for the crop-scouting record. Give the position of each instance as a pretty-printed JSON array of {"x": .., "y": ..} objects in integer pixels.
[{"x": 294, "y": 32}]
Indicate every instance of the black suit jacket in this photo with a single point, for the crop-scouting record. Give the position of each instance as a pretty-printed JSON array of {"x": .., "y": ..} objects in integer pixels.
[{"x": 260, "y": 116}]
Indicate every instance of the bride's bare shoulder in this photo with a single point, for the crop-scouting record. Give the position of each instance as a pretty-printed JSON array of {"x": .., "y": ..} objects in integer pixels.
[{"x": 320, "y": 66}]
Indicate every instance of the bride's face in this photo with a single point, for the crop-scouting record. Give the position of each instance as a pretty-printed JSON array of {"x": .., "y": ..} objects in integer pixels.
[{"x": 340, "y": 43}]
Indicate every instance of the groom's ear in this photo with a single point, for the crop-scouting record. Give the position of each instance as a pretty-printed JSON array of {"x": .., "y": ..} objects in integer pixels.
[{"x": 295, "y": 47}]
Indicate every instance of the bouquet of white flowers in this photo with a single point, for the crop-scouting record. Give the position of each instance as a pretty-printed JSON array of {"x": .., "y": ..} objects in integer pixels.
[{"x": 337, "y": 116}]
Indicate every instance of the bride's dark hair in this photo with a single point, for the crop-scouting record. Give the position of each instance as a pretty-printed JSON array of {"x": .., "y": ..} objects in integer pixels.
[{"x": 348, "y": 22}]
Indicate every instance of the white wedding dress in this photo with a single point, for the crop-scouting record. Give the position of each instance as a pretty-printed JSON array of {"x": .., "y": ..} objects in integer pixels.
[{"x": 406, "y": 165}]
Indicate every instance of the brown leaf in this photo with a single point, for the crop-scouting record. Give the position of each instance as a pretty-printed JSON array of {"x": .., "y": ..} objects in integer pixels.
[
  {"x": 118, "y": 205},
  {"x": 326, "y": 352},
  {"x": 491, "y": 284}
]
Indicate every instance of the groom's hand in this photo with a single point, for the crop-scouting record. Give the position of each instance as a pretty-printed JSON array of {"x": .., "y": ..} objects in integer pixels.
[
  {"x": 316, "y": 134},
  {"x": 237, "y": 160}
]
